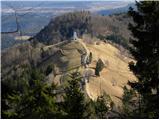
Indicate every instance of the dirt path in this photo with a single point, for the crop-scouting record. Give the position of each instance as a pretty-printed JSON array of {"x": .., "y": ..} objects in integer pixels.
[
  {"x": 113, "y": 78},
  {"x": 84, "y": 45}
]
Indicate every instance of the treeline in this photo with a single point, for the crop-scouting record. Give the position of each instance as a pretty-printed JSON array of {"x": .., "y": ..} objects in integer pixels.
[
  {"x": 145, "y": 50},
  {"x": 29, "y": 96},
  {"x": 62, "y": 27}
]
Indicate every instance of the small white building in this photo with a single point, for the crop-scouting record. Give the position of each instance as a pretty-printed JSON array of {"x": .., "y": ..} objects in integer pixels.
[{"x": 75, "y": 36}]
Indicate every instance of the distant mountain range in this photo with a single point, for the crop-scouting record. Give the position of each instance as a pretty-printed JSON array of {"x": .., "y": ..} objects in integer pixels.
[
  {"x": 49, "y": 6},
  {"x": 117, "y": 10}
]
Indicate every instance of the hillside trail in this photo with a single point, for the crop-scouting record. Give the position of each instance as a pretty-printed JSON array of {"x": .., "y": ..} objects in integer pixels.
[
  {"x": 53, "y": 45},
  {"x": 113, "y": 77},
  {"x": 84, "y": 45}
]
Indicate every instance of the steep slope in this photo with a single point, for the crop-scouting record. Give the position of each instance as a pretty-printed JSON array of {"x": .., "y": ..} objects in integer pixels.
[
  {"x": 65, "y": 57},
  {"x": 113, "y": 77}
]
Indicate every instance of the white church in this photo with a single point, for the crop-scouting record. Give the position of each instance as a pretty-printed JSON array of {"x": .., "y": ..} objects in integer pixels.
[{"x": 75, "y": 36}]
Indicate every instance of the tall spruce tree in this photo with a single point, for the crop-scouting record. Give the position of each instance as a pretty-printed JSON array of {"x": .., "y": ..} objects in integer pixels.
[
  {"x": 74, "y": 100},
  {"x": 36, "y": 101},
  {"x": 101, "y": 108},
  {"x": 146, "y": 51}
]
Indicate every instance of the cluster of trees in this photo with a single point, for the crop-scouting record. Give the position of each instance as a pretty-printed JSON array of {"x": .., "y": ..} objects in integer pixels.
[
  {"x": 83, "y": 22},
  {"x": 146, "y": 51},
  {"x": 34, "y": 98},
  {"x": 141, "y": 101},
  {"x": 118, "y": 39},
  {"x": 62, "y": 27}
]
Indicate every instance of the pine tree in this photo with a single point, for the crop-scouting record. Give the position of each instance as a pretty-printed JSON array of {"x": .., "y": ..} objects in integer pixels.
[
  {"x": 100, "y": 108},
  {"x": 99, "y": 67},
  {"x": 74, "y": 100},
  {"x": 146, "y": 52},
  {"x": 36, "y": 101},
  {"x": 129, "y": 103}
]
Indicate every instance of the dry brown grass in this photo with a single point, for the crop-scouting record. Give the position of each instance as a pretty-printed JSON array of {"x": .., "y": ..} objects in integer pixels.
[{"x": 114, "y": 77}]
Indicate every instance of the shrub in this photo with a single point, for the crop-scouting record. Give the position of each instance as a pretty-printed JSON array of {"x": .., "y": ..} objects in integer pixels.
[
  {"x": 49, "y": 69},
  {"x": 99, "y": 67}
]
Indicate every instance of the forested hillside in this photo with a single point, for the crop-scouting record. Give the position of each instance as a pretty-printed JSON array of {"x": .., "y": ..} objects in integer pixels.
[{"x": 114, "y": 28}]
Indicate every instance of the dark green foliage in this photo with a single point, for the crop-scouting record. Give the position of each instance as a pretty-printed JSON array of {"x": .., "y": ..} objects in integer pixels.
[
  {"x": 128, "y": 95},
  {"x": 129, "y": 105},
  {"x": 90, "y": 57},
  {"x": 99, "y": 67},
  {"x": 100, "y": 108},
  {"x": 35, "y": 101},
  {"x": 118, "y": 39},
  {"x": 43, "y": 53},
  {"x": 90, "y": 110},
  {"x": 146, "y": 52},
  {"x": 101, "y": 37},
  {"x": 10, "y": 85},
  {"x": 62, "y": 27},
  {"x": 74, "y": 104},
  {"x": 49, "y": 69},
  {"x": 97, "y": 72},
  {"x": 115, "y": 38}
]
